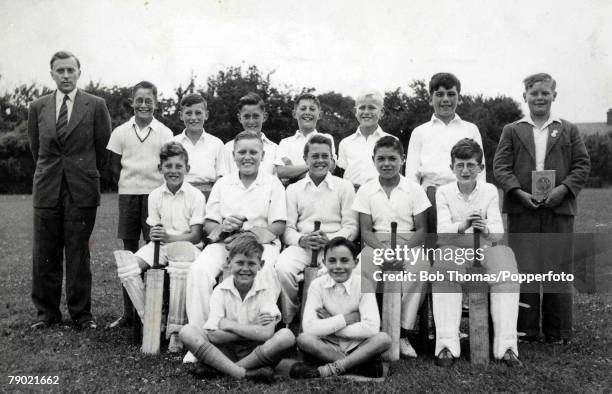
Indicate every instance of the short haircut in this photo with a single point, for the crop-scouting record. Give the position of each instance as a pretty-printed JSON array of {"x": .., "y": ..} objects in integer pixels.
[
  {"x": 306, "y": 96},
  {"x": 341, "y": 241},
  {"x": 374, "y": 94},
  {"x": 466, "y": 149},
  {"x": 389, "y": 141},
  {"x": 245, "y": 135},
  {"x": 446, "y": 80},
  {"x": 539, "y": 77},
  {"x": 192, "y": 99},
  {"x": 63, "y": 55},
  {"x": 173, "y": 148},
  {"x": 246, "y": 244},
  {"x": 318, "y": 139},
  {"x": 144, "y": 85},
  {"x": 251, "y": 98}
]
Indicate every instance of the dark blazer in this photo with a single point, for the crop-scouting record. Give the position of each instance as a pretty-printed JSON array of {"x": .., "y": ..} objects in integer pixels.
[
  {"x": 80, "y": 156},
  {"x": 515, "y": 159}
]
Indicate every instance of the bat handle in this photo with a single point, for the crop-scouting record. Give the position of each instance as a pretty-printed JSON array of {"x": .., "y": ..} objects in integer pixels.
[
  {"x": 156, "y": 252},
  {"x": 315, "y": 253},
  {"x": 393, "y": 235},
  {"x": 476, "y": 246}
]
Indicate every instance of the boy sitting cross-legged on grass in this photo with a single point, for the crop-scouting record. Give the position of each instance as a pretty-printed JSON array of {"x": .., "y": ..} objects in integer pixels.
[
  {"x": 239, "y": 339},
  {"x": 341, "y": 324}
]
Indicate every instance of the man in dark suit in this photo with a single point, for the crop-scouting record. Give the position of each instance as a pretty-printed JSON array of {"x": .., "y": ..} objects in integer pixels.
[
  {"x": 538, "y": 142},
  {"x": 68, "y": 132}
]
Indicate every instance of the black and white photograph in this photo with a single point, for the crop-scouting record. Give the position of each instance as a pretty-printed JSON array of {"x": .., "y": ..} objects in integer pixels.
[{"x": 322, "y": 196}]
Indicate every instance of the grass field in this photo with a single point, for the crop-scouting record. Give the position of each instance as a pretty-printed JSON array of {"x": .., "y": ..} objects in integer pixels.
[{"x": 106, "y": 361}]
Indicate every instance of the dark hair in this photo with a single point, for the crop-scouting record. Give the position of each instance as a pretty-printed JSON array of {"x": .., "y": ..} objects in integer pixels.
[
  {"x": 144, "y": 85},
  {"x": 341, "y": 241},
  {"x": 466, "y": 149},
  {"x": 539, "y": 77},
  {"x": 317, "y": 139},
  {"x": 306, "y": 96},
  {"x": 251, "y": 98},
  {"x": 171, "y": 149},
  {"x": 245, "y": 135},
  {"x": 64, "y": 55},
  {"x": 246, "y": 244},
  {"x": 446, "y": 80},
  {"x": 389, "y": 141},
  {"x": 192, "y": 99}
]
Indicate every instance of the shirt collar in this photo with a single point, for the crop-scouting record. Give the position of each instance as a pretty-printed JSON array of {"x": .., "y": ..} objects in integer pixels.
[
  {"x": 329, "y": 283},
  {"x": 184, "y": 135},
  {"x": 472, "y": 194},
  {"x": 181, "y": 189},
  {"x": 327, "y": 180},
  {"x": 402, "y": 185},
  {"x": 153, "y": 125},
  {"x": 234, "y": 177},
  {"x": 59, "y": 96},
  {"x": 378, "y": 132},
  {"x": 551, "y": 119},
  {"x": 299, "y": 134},
  {"x": 455, "y": 119},
  {"x": 258, "y": 285}
]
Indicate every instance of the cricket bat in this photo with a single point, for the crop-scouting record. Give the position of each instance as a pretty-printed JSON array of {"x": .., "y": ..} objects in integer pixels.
[
  {"x": 479, "y": 312},
  {"x": 310, "y": 273},
  {"x": 154, "y": 288},
  {"x": 392, "y": 299}
]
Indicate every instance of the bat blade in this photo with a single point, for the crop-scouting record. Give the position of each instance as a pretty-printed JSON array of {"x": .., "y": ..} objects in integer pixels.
[
  {"x": 479, "y": 312},
  {"x": 151, "y": 330},
  {"x": 392, "y": 300}
]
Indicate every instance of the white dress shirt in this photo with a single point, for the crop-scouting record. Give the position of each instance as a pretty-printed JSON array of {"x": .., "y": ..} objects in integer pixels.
[
  {"x": 59, "y": 99},
  {"x": 330, "y": 203},
  {"x": 293, "y": 148},
  {"x": 453, "y": 208},
  {"x": 176, "y": 212},
  {"x": 540, "y": 139},
  {"x": 355, "y": 156},
  {"x": 406, "y": 201},
  {"x": 262, "y": 203},
  {"x": 428, "y": 160},
  {"x": 207, "y": 158},
  {"x": 226, "y": 303}
]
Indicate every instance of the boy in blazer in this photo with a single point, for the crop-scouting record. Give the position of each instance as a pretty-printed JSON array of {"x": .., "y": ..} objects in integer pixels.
[
  {"x": 68, "y": 131},
  {"x": 541, "y": 141}
]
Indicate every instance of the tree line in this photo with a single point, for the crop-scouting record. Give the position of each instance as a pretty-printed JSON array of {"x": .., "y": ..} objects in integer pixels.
[{"x": 404, "y": 110}]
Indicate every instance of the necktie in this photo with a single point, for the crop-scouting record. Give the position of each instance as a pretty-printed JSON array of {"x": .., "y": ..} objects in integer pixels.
[{"x": 62, "y": 119}]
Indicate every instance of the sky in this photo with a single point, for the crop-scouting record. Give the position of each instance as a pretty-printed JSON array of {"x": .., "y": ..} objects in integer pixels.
[{"x": 346, "y": 45}]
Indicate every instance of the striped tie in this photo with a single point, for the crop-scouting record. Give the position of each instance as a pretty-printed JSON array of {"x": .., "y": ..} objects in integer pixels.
[{"x": 62, "y": 119}]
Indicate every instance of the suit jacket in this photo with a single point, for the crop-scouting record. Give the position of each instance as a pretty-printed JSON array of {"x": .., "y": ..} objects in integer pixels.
[
  {"x": 565, "y": 153},
  {"x": 79, "y": 156}
]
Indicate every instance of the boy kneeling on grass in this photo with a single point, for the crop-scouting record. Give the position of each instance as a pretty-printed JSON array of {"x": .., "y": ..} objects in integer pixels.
[
  {"x": 341, "y": 324},
  {"x": 238, "y": 338}
]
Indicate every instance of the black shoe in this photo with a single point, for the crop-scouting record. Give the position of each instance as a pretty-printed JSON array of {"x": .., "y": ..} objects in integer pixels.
[
  {"x": 372, "y": 369},
  {"x": 203, "y": 371},
  {"x": 42, "y": 324},
  {"x": 303, "y": 371},
  {"x": 511, "y": 359},
  {"x": 262, "y": 375},
  {"x": 445, "y": 358},
  {"x": 121, "y": 322},
  {"x": 86, "y": 325},
  {"x": 528, "y": 339},
  {"x": 557, "y": 341}
]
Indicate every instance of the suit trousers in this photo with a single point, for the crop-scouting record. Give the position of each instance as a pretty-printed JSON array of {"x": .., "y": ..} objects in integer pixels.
[
  {"x": 65, "y": 228},
  {"x": 550, "y": 250}
]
